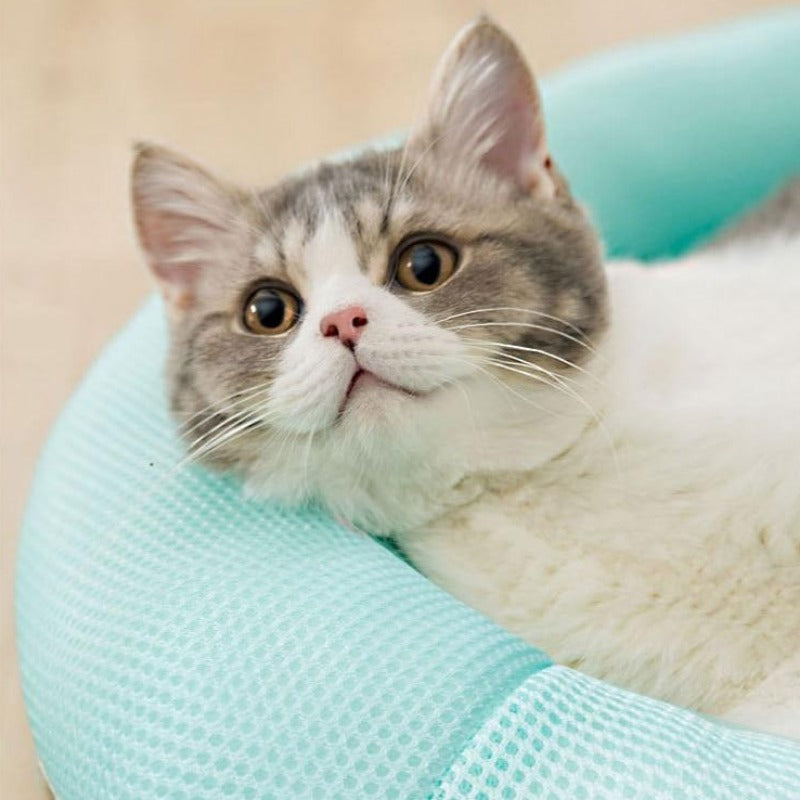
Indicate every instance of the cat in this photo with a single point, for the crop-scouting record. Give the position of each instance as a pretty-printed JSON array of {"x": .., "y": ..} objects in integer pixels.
[{"x": 603, "y": 458}]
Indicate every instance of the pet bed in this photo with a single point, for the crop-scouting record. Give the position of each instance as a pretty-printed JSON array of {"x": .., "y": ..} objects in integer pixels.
[{"x": 178, "y": 641}]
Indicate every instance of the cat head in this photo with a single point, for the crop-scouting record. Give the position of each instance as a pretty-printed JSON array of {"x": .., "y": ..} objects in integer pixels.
[{"x": 375, "y": 333}]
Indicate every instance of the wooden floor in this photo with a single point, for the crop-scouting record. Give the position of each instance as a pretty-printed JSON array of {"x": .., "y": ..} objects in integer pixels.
[{"x": 250, "y": 88}]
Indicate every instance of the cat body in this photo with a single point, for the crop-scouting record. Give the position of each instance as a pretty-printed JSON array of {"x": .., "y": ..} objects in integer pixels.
[
  {"x": 660, "y": 549},
  {"x": 602, "y": 458}
]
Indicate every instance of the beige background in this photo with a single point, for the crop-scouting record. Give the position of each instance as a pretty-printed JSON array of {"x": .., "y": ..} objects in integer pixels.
[{"x": 250, "y": 87}]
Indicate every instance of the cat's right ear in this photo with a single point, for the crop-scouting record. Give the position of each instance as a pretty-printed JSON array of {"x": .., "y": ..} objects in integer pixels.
[
  {"x": 186, "y": 220},
  {"x": 485, "y": 109}
]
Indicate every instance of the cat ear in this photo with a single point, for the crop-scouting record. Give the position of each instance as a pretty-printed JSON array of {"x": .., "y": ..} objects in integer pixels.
[
  {"x": 186, "y": 220},
  {"x": 485, "y": 108}
]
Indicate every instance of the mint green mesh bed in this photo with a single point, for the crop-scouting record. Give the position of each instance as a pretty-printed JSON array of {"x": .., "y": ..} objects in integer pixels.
[{"x": 178, "y": 641}]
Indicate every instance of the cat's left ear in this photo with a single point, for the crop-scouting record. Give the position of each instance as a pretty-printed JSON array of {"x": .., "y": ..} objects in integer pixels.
[
  {"x": 484, "y": 108},
  {"x": 190, "y": 225}
]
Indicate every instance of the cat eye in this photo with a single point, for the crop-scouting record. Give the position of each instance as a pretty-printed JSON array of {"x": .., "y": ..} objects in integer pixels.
[
  {"x": 424, "y": 264},
  {"x": 271, "y": 310}
]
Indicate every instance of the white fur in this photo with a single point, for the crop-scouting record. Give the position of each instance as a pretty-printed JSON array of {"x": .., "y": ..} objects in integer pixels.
[
  {"x": 668, "y": 561},
  {"x": 644, "y": 527}
]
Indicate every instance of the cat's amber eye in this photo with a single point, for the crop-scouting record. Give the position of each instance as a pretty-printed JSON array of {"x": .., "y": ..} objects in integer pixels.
[
  {"x": 271, "y": 310},
  {"x": 424, "y": 264}
]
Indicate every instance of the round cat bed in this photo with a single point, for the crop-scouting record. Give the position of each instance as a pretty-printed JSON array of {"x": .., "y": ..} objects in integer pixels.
[{"x": 180, "y": 641}]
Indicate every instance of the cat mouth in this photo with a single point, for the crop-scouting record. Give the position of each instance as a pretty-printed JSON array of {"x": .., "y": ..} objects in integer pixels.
[
  {"x": 363, "y": 378},
  {"x": 357, "y": 375}
]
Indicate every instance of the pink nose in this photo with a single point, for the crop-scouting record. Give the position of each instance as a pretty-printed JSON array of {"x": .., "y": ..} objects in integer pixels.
[{"x": 346, "y": 324}]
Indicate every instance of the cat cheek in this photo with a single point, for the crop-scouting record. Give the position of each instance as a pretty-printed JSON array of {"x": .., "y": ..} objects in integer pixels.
[
  {"x": 300, "y": 407},
  {"x": 306, "y": 395}
]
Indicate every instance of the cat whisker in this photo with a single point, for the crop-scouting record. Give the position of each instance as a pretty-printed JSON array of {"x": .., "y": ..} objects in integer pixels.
[
  {"x": 532, "y": 370},
  {"x": 202, "y": 444},
  {"x": 253, "y": 415},
  {"x": 221, "y": 407},
  {"x": 392, "y": 194},
  {"x": 204, "y": 449},
  {"x": 508, "y": 390},
  {"x": 258, "y": 199},
  {"x": 252, "y": 408},
  {"x": 433, "y": 142},
  {"x": 520, "y": 310},
  {"x": 523, "y": 362},
  {"x": 532, "y": 325},
  {"x": 247, "y": 419},
  {"x": 401, "y": 179},
  {"x": 499, "y": 346},
  {"x": 159, "y": 482},
  {"x": 189, "y": 416},
  {"x": 476, "y": 360},
  {"x": 207, "y": 443},
  {"x": 567, "y": 390}
]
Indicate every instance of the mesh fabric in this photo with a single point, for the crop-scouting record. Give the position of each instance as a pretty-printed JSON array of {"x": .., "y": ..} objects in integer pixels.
[
  {"x": 179, "y": 641},
  {"x": 564, "y": 735}
]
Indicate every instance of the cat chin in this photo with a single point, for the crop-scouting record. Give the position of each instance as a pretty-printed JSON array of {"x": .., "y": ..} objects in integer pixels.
[
  {"x": 365, "y": 381},
  {"x": 394, "y": 461}
]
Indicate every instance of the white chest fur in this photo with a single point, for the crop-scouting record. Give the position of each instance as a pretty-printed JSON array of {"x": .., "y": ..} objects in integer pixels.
[{"x": 660, "y": 551}]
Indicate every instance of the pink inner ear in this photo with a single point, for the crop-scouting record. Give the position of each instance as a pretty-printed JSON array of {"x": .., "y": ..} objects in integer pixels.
[
  {"x": 187, "y": 222},
  {"x": 485, "y": 107},
  {"x": 164, "y": 236},
  {"x": 516, "y": 151}
]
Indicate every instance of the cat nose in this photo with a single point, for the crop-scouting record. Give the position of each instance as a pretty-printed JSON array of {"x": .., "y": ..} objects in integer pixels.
[{"x": 346, "y": 324}]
